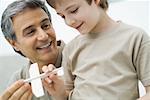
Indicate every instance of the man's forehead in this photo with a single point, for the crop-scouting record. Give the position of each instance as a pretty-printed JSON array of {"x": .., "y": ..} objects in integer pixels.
[{"x": 29, "y": 17}]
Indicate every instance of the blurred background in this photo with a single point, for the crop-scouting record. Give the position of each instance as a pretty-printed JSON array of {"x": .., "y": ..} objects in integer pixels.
[{"x": 134, "y": 12}]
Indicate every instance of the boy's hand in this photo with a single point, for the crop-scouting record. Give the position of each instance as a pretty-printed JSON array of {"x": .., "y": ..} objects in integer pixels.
[
  {"x": 54, "y": 84},
  {"x": 17, "y": 91},
  {"x": 147, "y": 95}
]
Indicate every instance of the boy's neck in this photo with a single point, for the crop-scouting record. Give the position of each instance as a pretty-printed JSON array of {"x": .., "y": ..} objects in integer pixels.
[{"x": 105, "y": 24}]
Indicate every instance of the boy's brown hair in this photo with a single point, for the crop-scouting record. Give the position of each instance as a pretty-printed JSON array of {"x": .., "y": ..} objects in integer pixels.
[{"x": 103, "y": 3}]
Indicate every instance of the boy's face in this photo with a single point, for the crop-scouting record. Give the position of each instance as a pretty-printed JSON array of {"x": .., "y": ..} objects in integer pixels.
[
  {"x": 35, "y": 36},
  {"x": 79, "y": 14}
]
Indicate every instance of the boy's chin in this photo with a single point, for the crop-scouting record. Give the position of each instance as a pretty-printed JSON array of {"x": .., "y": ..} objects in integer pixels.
[{"x": 83, "y": 32}]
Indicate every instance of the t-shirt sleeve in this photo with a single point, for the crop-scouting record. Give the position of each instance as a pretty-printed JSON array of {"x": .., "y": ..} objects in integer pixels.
[
  {"x": 68, "y": 77},
  {"x": 16, "y": 76},
  {"x": 143, "y": 60}
]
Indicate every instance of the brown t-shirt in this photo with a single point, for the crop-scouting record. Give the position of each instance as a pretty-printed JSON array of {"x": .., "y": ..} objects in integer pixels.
[{"x": 107, "y": 66}]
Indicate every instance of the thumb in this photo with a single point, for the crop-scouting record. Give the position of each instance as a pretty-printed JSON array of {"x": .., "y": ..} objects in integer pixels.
[{"x": 54, "y": 78}]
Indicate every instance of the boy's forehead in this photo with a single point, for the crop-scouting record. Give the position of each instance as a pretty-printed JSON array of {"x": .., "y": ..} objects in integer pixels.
[
  {"x": 62, "y": 1},
  {"x": 65, "y": 3}
]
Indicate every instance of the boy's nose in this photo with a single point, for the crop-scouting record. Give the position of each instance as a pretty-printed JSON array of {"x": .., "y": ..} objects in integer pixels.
[
  {"x": 42, "y": 35},
  {"x": 70, "y": 22}
]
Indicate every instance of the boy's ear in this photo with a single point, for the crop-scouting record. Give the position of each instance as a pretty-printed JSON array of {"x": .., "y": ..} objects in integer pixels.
[
  {"x": 13, "y": 43},
  {"x": 97, "y": 2}
]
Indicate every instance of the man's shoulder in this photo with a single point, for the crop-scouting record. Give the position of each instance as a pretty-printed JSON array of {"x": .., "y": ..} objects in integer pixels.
[{"x": 19, "y": 74}]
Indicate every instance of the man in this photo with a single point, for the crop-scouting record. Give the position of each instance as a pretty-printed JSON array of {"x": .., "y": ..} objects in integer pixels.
[{"x": 26, "y": 24}]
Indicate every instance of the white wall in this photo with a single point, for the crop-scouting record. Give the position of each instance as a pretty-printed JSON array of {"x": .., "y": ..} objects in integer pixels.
[
  {"x": 135, "y": 12},
  {"x": 8, "y": 65}
]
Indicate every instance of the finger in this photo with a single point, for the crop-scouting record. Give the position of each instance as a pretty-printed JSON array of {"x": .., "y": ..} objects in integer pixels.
[
  {"x": 30, "y": 96},
  {"x": 48, "y": 87},
  {"x": 51, "y": 67},
  {"x": 54, "y": 78},
  {"x": 25, "y": 95},
  {"x": 47, "y": 84},
  {"x": 45, "y": 69},
  {"x": 20, "y": 92},
  {"x": 48, "y": 80},
  {"x": 10, "y": 90}
]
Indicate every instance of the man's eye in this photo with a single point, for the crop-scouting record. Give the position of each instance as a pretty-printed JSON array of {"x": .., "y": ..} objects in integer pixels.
[
  {"x": 30, "y": 32},
  {"x": 46, "y": 26},
  {"x": 74, "y": 11}
]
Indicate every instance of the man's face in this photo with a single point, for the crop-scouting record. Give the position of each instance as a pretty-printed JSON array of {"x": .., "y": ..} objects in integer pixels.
[
  {"x": 79, "y": 14},
  {"x": 35, "y": 36}
]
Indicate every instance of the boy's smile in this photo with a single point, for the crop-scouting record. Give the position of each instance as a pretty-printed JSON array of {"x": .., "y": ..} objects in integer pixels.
[{"x": 79, "y": 26}]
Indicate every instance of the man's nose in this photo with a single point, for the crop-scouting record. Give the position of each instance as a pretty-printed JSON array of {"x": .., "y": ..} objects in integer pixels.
[{"x": 42, "y": 35}]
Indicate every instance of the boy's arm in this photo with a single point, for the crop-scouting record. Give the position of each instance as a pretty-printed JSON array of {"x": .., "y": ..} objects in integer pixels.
[
  {"x": 55, "y": 88},
  {"x": 147, "y": 95},
  {"x": 54, "y": 84}
]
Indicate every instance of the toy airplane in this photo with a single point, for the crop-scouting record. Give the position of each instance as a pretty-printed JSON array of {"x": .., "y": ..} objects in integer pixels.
[{"x": 35, "y": 79}]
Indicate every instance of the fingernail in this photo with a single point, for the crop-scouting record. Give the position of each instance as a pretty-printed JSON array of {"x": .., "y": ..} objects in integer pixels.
[
  {"x": 49, "y": 81},
  {"x": 44, "y": 68}
]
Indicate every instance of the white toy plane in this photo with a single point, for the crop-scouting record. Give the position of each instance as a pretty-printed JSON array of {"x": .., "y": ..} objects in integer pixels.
[{"x": 35, "y": 78}]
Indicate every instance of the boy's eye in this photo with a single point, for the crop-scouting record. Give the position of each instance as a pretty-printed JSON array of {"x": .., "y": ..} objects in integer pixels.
[{"x": 74, "y": 11}]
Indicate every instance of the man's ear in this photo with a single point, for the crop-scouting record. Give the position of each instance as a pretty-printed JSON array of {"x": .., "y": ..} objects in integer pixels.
[{"x": 13, "y": 43}]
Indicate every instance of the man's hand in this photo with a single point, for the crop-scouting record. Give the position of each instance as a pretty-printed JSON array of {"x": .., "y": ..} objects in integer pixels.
[{"x": 17, "y": 91}]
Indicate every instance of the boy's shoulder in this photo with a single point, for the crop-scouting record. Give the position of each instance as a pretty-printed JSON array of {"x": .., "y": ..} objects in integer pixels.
[
  {"x": 73, "y": 44},
  {"x": 74, "y": 41},
  {"x": 131, "y": 28},
  {"x": 128, "y": 32}
]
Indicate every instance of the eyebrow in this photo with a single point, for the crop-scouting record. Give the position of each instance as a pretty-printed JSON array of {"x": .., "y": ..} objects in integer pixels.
[
  {"x": 44, "y": 20},
  {"x": 70, "y": 6},
  {"x": 27, "y": 28}
]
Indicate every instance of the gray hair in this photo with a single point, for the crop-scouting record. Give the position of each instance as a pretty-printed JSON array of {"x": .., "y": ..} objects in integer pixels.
[{"x": 16, "y": 8}]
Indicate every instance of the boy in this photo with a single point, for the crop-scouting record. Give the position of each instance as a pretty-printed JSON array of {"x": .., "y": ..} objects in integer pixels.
[
  {"x": 106, "y": 61},
  {"x": 26, "y": 24}
]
